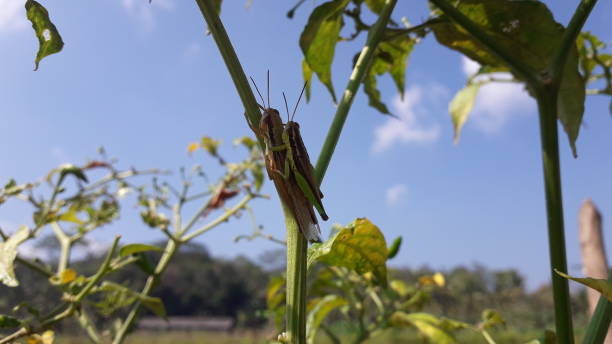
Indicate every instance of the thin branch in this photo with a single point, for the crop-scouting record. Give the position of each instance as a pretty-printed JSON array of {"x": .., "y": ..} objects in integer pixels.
[{"x": 568, "y": 41}]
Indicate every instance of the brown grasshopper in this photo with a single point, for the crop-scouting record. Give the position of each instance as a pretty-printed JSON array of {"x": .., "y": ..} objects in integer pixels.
[{"x": 288, "y": 165}]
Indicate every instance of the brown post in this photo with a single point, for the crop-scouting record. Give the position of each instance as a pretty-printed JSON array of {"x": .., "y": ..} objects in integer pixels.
[{"x": 593, "y": 251}]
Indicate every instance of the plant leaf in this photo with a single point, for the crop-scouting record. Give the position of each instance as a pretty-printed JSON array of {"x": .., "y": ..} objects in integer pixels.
[
  {"x": 395, "y": 246},
  {"x": 319, "y": 38},
  {"x": 131, "y": 249},
  {"x": 601, "y": 285},
  {"x": 8, "y": 253},
  {"x": 520, "y": 26},
  {"x": 118, "y": 296},
  {"x": 307, "y": 75},
  {"x": 427, "y": 324},
  {"x": 49, "y": 39},
  {"x": 461, "y": 106},
  {"x": 8, "y": 321},
  {"x": 320, "y": 310},
  {"x": 391, "y": 57},
  {"x": 360, "y": 246}
]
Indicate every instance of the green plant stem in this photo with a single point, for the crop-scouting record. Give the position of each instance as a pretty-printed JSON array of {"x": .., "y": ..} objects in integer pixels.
[
  {"x": 363, "y": 62},
  {"x": 296, "y": 281},
  {"x": 171, "y": 248},
  {"x": 599, "y": 324},
  {"x": 240, "y": 205},
  {"x": 65, "y": 247},
  {"x": 521, "y": 69},
  {"x": 568, "y": 41},
  {"x": 547, "y": 106},
  {"x": 88, "y": 326},
  {"x": 231, "y": 61}
]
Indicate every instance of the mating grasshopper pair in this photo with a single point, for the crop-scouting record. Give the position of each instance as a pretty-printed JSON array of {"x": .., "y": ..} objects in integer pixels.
[{"x": 289, "y": 166}]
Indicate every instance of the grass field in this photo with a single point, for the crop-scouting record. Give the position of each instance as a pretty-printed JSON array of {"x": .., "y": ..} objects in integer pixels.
[{"x": 257, "y": 337}]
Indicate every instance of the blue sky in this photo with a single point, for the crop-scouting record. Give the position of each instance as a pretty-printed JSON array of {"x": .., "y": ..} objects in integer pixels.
[{"x": 144, "y": 80}]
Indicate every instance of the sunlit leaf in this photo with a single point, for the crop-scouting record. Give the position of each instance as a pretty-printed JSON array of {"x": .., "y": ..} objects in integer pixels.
[
  {"x": 210, "y": 145},
  {"x": 360, "y": 246},
  {"x": 520, "y": 27},
  {"x": 49, "y": 39},
  {"x": 307, "y": 75},
  {"x": 8, "y": 253},
  {"x": 375, "y": 6},
  {"x": 601, "y": 285},
  {"x": 461, "y": 106},
  {"x": 71, "y": 216},
  {"x": 436, "y": 279},
  {"x": 320, "y": 310},
  {"x": 67, "y": 276},
  {"x": 192, "y": 147},
  {"x": 319, "y": 38},
  {"x": 491, "y": 318},
  {"x": 395, "y": 246},
  {"x": 399, "y": 287},
  {"x": 130, "y": 249},
  {"x": 46, "y": 338},
  {"x": 427, "y": 324}
]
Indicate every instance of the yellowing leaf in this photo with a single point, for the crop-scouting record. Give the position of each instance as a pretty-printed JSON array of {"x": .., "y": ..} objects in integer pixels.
[
  {"x": 360, "y": 246},
  {"x": 192, "y": 147},
  {"x": 399, "y": 287},
  {"x": 601, "y": 285},
  {"x": 67, "y": 276},
  {"x": 46, "y": 338},
  {"x": 461, "y": 106},
  {"x": 428, "y": 325},
  {"x": 8, "y": 253},
  {"x": 439, "y": 279}
]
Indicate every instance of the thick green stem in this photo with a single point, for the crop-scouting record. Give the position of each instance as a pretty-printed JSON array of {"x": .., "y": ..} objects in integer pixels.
[
  {"x": 600, "y": 321},
  {"x": 363, "y": 62},
  {"x": 547, "y": 106},
  {"x": 296, "y": 281}
]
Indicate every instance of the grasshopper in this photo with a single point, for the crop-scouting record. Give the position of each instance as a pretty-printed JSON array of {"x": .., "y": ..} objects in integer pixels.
[{"x": 289, "y": 166}]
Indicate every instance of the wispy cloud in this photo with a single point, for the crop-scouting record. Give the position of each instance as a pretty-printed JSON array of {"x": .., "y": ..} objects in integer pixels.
[
  {"x": 12, "y": 15},
  {"x": 143, "y": 11},
  {"x": 497, "y": 102},
  {"x": 395, "y": 193},
  {"x": 408, "y": 128}
]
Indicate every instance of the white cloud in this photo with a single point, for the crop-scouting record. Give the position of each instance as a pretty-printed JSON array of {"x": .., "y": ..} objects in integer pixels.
[
  {"x": 12, "y": 15},
  {"x": 408, "y": 129},
  {"x": 395, "y": 193},
  {"x": 192, "y": 50},
  {"x": 497, "y": 102},
  {"x": 142, "y": 10}
]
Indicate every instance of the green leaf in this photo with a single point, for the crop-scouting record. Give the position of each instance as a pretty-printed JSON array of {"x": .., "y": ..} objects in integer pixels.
[
  {"x": 601, "y": 285},
  {"x": 320, "y": 310},
  {"x": 360, "y": 246},
  {"x": 391, "y": 57},
  {"x": 428, "y": 325},
  {"x": 276, "y": 292},
  {"x": 65, "y": 170},
  {"x": 8, "y": 253},
  {"x": 210, "y": 145},
  {"x": 319, "y": 38},
  {"x": 49, "y": 39},
  {"x": 375, "y": 6},
  {"x": 307, "y": 75},
  {"x": 118, "y": 296},
  {"x": 520, "y": 26},
  {"x": 395, "y": 246},
  {"x": 71, "y": 215},
  {"x": 8, "y": 321},
  {"x": 461, "y": 106},
  {"x": 491, "y": 318},
  {"x": 131, "y": 249}
]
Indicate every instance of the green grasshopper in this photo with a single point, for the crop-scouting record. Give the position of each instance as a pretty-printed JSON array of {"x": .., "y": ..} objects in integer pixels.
[{"x": 288, "y": 165}]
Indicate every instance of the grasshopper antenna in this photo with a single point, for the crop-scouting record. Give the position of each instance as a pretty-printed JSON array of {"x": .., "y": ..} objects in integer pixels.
[
  {"x": 286, "y": 107},
  {"x": 257, "y": 89},
  {"x": 269, "y": 88},
  {"x": 298, "y": 101}
]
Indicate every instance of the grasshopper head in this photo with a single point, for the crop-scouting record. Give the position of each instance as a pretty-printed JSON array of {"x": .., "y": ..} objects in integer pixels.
[{"x": 271, "y": 125}]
